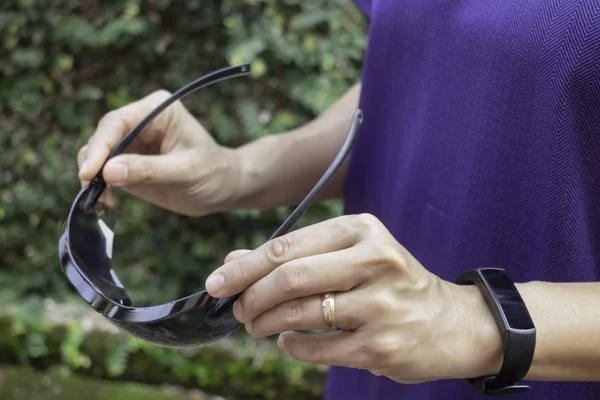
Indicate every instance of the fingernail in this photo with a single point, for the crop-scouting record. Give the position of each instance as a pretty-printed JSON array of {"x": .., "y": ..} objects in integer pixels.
[
  {"x": 249, "y": 327},
  {"x": 280, "y": 341},
  {"x": 116, "y": 173},
  {"x": 238, "y": 311},
  {"x": 214, "y": 283},
  {"x": 84, "y": 168}
]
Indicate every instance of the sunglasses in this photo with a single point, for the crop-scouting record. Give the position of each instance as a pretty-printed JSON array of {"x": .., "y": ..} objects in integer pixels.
[{"x": 85, "y": 251}]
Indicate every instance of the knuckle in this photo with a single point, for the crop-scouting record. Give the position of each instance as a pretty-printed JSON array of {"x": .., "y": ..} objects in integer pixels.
[
  {"x": 384, "y": 303},
  {"x": 145, "y": 169},
  {"x": 164, "y": 119},
  {"x": 254, "y": 332},
  {"x": 366, "y": 221},
  {"x": 140, "y": 169},
  {"x": 235, "y": 255},
  {"x": 363, "y": 224},
  {"x": 348, "y": 321},
  {"x": 295, "y": 313},
  {"x": 314, "y": 351},
  {"x": 351, "y": 321},
  {"x": 160, "y": 95},
  {"x": 110, "y": 117},
  {"x": 388, "y": 255},
  {"x": 280, "y": 249},
  {"x": 246, "y": 302},
  {"x": 239, "y": 266},
  {"x": 290, "y": 276},
  {"x": 81, "y": 154},
  {"x": 381, "y": 350},
  {"x": 82, "y": 151},
  {"x": 157, "y": 97}
]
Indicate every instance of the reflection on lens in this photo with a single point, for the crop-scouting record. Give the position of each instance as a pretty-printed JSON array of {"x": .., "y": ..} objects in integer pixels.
[
  {"x": 199, "y": 326},
  {"x": 91, "y": 241}
]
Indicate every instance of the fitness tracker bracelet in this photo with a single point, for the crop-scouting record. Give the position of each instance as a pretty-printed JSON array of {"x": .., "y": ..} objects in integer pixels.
[{"x": 515, "y": 325}]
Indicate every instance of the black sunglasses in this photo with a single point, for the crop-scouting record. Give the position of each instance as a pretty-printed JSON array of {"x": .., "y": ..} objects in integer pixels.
[{"x": 85, "y": 251}]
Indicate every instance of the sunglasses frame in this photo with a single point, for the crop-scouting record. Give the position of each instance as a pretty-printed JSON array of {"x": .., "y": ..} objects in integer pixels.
[{"x": 109, "y": 298}]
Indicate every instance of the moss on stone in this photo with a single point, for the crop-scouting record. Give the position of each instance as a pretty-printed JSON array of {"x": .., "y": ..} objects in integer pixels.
[
  {"x": 238, "y": 367},
  {"x": 17, "y": 383}
]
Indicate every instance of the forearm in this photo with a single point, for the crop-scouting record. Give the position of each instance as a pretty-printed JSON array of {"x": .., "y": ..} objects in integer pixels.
[
  {"x": 280, "y": 169},
  {"x": 567, "y": 320}
]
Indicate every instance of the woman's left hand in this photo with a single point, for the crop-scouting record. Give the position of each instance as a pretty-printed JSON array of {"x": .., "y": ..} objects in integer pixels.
[{"x": 396, "y": 318}]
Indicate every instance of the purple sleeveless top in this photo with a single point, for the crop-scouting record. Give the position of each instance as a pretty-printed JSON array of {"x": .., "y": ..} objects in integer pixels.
[{"x": 481, "y": 147}]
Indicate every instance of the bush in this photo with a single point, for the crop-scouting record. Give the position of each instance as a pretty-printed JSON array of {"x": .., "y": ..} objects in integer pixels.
[
  {"x": 63, "y": 339},
  {"x": 67, "y": 62}
]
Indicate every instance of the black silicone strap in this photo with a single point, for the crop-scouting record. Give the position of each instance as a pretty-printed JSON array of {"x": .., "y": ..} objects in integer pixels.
[{"x": 515, "y": 325}]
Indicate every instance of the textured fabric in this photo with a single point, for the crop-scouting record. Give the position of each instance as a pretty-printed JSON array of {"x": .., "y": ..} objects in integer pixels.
[{"x": 481, "y": 147}]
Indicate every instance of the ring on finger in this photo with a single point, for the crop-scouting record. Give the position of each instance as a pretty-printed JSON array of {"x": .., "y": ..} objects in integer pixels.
[{"x": 328, "y": 310}]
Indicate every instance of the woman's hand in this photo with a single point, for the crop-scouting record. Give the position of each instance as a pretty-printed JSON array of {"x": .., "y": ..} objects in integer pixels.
[
  {"x": 174, "y": 163},
  {"x": 395, "y": 318}
]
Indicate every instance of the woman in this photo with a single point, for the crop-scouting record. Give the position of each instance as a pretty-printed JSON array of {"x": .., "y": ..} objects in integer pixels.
[{"x": 480, "y": 148}]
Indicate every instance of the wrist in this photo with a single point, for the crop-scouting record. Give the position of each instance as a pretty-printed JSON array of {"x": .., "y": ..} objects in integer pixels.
[
  {"x": 482, "y": 348},
  {"x": 227, "y": 184},
  {"x": 250, "y": 174}
]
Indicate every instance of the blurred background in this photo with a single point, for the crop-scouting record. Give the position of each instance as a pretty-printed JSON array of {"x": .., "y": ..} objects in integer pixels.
[{"x": 65, "y": 63}]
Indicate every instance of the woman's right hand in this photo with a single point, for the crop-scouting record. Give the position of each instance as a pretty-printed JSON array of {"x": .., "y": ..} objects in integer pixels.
[{"x": 174, "y": 163}]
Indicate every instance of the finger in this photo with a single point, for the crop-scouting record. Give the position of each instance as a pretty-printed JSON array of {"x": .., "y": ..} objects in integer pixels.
[
  {"x": 135, "y": 169},
  {"x": 328, "y": 236},
  {"x": 80, "y": 157},
  {"x": 305, "y": 314},
  {"x": 329, "y": 348},
  {"x": 338, "y": 271},
  {"x": 106, "y": 198},
  {"x": 236, "y": 254},
  {"x": 114, "y": 125}
]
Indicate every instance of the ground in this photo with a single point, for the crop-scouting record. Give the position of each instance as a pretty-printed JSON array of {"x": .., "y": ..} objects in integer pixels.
[{"x": 22, "y": 383}]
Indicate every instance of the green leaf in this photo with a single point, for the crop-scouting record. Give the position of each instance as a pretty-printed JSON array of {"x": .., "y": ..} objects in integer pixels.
[
  {"x": 75, "y": 32},
  {"x": 27, "y": 58}
]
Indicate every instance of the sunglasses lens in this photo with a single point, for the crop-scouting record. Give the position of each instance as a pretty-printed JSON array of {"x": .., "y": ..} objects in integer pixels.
[
  {"x": 199, "y": 326},
  {"x": 190, "y": 322},
  {"x": 91, "y": 240}
]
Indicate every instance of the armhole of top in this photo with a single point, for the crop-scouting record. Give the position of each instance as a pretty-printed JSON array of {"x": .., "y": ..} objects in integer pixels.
[{"x": 365, "y": 6}]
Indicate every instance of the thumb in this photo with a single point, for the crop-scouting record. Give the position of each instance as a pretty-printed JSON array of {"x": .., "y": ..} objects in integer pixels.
[
  {"x": 134, "y": 169},
  {"x": 236, "y": 254}
]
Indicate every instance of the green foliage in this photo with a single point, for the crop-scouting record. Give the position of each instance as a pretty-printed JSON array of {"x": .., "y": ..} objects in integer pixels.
[
  {"x": 65, "y": 63},
  {"x": 240, "y": 368},
  {"x": 24, "y": 383}
]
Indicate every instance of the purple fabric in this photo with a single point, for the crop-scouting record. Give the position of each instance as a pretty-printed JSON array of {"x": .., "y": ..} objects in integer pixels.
[{"x": 481, "y": 147}]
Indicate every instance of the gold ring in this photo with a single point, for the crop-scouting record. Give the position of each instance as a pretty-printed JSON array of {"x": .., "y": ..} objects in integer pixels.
[{"x": 328, "y": 309}]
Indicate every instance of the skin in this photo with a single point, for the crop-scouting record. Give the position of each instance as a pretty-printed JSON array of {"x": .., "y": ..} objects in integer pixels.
[{"x": 397, "y": 319}]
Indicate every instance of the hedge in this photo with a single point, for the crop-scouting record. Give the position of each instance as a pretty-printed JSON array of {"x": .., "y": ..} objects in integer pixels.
[{"x": 64, "y": 63}]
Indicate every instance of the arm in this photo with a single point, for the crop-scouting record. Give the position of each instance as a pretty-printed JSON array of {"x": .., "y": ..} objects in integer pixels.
[
  {"x": 280, "y": 169},
  {"x": 177, "y": 165},
  {"x": 567, "y": 319}
]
